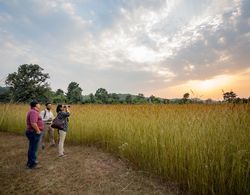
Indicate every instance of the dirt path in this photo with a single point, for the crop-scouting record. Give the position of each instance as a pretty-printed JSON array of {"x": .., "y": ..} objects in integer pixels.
[{"x": 85, "y": 170}]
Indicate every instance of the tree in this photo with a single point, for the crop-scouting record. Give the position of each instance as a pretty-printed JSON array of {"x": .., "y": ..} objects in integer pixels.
[
  {"x": 151, "y": 99},
  {"x": 101, "y": 95},
  {"x": 59, "y": 96},
  {"x": 209, "y": 101},
  {"x": 113, "y": 98},
  {"x": 154, "y": 100},
  {"x": 128, "y": 99},
  {"x": 28, "y": 83},
  {"x": 185, "y": 97},
  {"x": 74, "y": 94},
  {"x": 229, "y": 96},
  {"x": 59, "y": 92},
  {"x": 166, "y": 101},
  {"x": 140, "y": 99},
  {"x": 92, "y": 98},
  {"x": 5, "y": 94}
]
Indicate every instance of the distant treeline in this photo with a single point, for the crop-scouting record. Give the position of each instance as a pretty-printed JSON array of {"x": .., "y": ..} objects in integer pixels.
[{"x": 29, "y": 82}]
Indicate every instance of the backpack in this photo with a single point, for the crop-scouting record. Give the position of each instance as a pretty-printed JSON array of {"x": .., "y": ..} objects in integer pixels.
[{"x": 44, "y": 113}]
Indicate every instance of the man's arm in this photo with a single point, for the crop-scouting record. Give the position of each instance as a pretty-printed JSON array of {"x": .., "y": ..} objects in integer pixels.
[
  {"x": 34, "y": 125},
  {"x": 33, "y": 121},
  {"x": 42, "y": 114}
]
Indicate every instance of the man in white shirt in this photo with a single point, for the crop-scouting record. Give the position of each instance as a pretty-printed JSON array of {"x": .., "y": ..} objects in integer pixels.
[{"x": 47, "y": 117}]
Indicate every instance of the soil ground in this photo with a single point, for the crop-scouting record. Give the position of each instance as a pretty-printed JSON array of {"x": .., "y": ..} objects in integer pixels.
[{"x": 85, "y": 170}]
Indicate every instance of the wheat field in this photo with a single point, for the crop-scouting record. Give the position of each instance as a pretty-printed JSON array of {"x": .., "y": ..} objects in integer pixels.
[{"x": 204, "y": 148}]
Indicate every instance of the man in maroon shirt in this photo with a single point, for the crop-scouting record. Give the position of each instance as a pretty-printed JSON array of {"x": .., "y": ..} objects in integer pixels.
[{"x": 33, "y": 132}]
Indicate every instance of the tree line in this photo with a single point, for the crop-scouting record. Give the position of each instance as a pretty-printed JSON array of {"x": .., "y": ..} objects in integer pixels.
[{"x": 30, "y": 82}]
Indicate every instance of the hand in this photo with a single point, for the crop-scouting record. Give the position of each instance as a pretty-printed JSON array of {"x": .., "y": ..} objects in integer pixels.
[{"x": 38, "y": 132}]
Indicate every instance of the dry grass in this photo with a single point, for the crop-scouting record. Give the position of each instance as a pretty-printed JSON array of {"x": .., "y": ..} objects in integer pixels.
[
  {"x": 205, "y": 148},
  {"x": 85, "y": 170}
]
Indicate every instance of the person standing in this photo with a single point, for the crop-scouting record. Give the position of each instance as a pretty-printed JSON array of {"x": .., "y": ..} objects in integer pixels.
[
  {"x": 63, "y": 113},
  {"x": 34, "y": 127},
  {"x": 47, "y": 117}
]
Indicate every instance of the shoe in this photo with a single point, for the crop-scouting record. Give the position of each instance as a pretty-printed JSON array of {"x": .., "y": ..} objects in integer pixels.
[
  {"x": 37, "y": 167},
  {"x": 28, "y": 164},
  {"x": 62, "y": 155},
  {"x": 34, "y": 166}
]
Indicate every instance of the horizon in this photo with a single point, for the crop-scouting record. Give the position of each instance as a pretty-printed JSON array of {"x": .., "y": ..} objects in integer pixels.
[{"x": 161, "y": 48}]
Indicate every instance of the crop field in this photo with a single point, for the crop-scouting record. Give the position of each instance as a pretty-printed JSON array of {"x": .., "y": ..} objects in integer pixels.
[{"x": 204, "y": 148}]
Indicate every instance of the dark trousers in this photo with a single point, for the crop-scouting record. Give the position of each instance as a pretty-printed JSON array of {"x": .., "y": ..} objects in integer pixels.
[{"x": 34, "y": 139}]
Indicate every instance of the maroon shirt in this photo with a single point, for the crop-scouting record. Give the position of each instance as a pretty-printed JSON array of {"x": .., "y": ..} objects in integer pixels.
[{"x": 33, "y": 116}]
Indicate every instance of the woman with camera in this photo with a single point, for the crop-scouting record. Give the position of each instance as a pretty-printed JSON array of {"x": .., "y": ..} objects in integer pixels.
[{"x": 63, "y": 114}]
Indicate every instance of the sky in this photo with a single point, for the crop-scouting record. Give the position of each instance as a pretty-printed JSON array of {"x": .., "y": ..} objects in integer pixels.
[{"x": 160, "y": 47}]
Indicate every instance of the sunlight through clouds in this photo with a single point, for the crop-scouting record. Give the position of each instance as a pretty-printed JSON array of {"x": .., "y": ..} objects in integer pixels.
[{"x": 158, "y": 45}]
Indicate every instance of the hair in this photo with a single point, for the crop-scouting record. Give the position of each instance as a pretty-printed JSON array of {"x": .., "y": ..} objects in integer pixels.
[
  {"x": 58, "y": 108},
  {"x": 33, "y": 103},
  {"x": 47, "y": 104}
]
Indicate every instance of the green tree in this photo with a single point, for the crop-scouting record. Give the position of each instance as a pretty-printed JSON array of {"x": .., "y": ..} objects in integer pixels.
[
  {"x": 5, "y": 95},
  {"x": 74, "y": 94},
  {"x": 92, "y": 98},
  {"x": 166, "y": 101},
  {"x": 140, "y": 99},
  {"x": 59, "y": 96},
  {"x": 154, "y": 100},
  {"x": 101, "y": 95},
  {"x": 59, "y": 92},
  {"x": 129, "y": 99},
  {"x": 28, "y": 83},
  {"x": 113, "y": 98}
]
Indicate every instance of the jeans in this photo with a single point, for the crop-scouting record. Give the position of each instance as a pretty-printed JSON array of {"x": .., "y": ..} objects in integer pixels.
[{"x": 34, "y": 140}]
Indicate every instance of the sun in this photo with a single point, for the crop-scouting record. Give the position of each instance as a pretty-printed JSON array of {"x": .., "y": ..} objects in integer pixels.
[{"x": 207, "y": 84}]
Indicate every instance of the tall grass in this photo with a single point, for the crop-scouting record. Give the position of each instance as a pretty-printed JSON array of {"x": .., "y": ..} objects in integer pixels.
[{"x": 205, "y": 148}]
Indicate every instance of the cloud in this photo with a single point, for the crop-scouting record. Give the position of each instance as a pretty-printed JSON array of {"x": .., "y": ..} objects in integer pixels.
[
  {"x": 130, "y": 45},
  {"x": 220, "y": 47}
]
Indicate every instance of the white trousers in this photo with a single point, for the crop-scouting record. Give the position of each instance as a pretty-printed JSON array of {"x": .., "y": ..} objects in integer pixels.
[{"x": 62, "y": 135}]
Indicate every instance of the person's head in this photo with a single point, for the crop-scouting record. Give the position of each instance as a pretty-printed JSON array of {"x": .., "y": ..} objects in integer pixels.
[
  {"x": 48, "y": 106},
  {"x": 35, "y": 104},
  {"x": 59, "y": 108}
]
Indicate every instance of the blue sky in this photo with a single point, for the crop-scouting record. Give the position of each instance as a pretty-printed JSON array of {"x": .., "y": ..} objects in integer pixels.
[{"x": 160, "y": 47}]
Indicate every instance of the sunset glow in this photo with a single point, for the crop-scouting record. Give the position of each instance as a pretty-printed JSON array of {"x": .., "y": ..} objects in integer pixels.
[{"x": 165, "y": 48}]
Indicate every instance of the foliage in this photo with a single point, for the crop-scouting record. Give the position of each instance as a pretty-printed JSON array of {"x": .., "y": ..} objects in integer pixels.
[
  {"x": 5, "y": 95},
  {"x": 28, "y": 83},
  {"x": 101, "y": 95},
  {"x": 74, "y": 94},
  {"x": 185, "y": 97},
  {"x": 59, "y": 96},
  {"x": 128, "y": 99},
  {"x": 229, "y": 97}
]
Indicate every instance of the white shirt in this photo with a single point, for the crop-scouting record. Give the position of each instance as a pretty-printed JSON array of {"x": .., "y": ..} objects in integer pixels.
[{"x": 48, "y": 116}]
